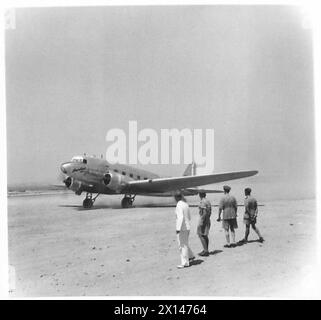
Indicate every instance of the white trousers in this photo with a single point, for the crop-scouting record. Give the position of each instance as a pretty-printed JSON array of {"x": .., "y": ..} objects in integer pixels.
[{"x": 185, "y": 250}]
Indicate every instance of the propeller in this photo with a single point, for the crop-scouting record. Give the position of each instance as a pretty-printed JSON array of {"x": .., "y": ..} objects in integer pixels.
[
  {"x": 61, "y": 177},
  {"x": 64, "y": 180}
]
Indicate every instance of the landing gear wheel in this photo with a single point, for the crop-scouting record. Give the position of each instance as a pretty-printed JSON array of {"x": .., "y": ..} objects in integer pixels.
[
  {"x": 127, "y": 202},
  {"x": 88, "y": 203},
  {"x": 89, "y": 200}
]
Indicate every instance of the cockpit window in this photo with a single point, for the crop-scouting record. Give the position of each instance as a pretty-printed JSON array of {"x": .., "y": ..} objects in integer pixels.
[{"x": 79, "y": 159}]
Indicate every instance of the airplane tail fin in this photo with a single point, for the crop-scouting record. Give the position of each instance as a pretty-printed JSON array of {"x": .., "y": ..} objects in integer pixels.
[{"x": 190, "y": 170}]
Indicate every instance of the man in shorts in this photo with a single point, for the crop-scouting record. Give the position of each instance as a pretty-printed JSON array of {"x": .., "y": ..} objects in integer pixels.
[
  {"x": 250, "y": 215},
  {"x": 228, "y": 205},
  {"x": 204, "y": 223}
]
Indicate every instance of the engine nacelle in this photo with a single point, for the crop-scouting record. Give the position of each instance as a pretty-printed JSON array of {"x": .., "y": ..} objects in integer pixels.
[
  {"x": 73, "y": 185},
  {"x": 114, "y": 181}
]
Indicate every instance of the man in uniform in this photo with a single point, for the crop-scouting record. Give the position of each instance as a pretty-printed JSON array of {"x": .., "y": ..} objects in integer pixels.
[
  {"x": 250, "y": 215},
  {"x": 183, "y": 226},
  {"x": 228, "y": 205},
  {"x": 204, "y": 223}
]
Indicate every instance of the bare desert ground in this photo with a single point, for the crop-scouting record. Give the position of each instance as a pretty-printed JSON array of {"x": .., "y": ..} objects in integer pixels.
[{"x": 57, "y": 248}]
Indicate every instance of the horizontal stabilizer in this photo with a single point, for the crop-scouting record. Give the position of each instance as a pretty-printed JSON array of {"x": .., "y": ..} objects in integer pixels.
[
  {"x": 209, "y": 191},
  {"x": 196, "y": 191}
]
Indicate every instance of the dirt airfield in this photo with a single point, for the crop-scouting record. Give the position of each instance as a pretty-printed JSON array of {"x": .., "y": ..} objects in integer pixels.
[{"x": 57, "y": 248}]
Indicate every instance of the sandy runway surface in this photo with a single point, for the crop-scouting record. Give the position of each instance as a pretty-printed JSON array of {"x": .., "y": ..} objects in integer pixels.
[{"x": 57, "y": 248}]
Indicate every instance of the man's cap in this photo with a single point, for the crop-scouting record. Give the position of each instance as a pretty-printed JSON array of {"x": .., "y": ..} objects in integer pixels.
[
  {"x": 247, "y": 190},
  {"x": 227, "y": 188}
]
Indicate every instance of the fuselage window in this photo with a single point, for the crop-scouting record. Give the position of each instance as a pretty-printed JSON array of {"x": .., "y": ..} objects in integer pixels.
[
  {"x": 138, "y": 177},
  {"x": 145, "y": 178},
  {"x": 131, "y": 175},
  {"x": 84, "y": 161},
  {"x": 123, "y": 173},
  {"x": 115, "y": 170}
]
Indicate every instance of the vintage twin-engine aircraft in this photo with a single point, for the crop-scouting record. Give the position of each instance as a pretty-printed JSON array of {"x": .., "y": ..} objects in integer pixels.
[{"x": 94, "y": 175}]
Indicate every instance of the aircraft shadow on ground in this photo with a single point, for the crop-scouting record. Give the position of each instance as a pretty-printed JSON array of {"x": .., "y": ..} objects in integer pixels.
[
  {"x": 145, "y": 205},
  {"x": 96, "y": 207},
  {"x": 81, "y": 208}
]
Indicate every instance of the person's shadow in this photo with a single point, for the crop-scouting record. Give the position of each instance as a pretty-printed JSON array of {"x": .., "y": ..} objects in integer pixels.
[
  {"x": 242, "y": 243},
  {"x": 251, "y": 241},
  {"x": 215, "y": 252},
  {"x": 195, "y": 262}
]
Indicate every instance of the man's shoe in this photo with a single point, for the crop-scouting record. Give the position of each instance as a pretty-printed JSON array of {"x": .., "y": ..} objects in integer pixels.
[
  {"x": 191, "y": 259},
  {"x": 201, "y": 253},
  {"x": 261, "y": 240},
  {"x": 227, "y": 246},
  {"x": 181, "y": 266},
  {"x": 243, "y": 241},
  {"x": 232, "y": 245},
  {"x": 204, "y": 254}
]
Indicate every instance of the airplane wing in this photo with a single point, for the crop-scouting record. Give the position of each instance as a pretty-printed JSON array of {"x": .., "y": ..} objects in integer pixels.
[{"x": 178, "y": 183}]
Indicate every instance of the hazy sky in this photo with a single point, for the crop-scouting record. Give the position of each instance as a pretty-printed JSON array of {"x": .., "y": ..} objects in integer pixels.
[{"x": 74, "y": 73}]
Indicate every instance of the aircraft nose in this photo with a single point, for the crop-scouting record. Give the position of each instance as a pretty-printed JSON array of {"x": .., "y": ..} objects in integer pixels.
[{"x": 63, "y": 167}]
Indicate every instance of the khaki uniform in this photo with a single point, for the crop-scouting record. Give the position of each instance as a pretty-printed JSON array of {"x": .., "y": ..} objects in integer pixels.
[
  {"x": 229, "y": 206},
  {"x": 204, "y": 222},
  {"x": 251, "y": 210}
]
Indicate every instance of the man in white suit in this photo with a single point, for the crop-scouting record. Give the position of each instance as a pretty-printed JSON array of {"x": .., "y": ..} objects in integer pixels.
[{"x": 183, "y": 226}]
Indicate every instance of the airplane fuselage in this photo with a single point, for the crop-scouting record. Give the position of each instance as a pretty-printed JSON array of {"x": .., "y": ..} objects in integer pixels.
[
  {"x": 87, "y": 174},
  {"x": 94, "y": 175}
]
